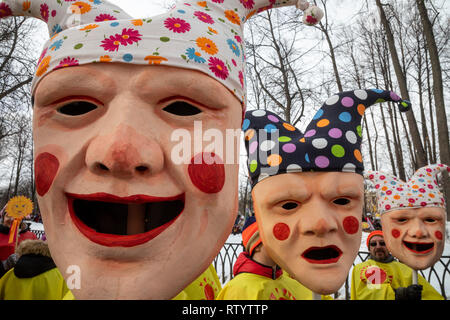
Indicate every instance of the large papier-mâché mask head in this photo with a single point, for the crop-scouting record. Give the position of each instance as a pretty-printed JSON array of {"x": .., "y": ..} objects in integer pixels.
[
  {"x": 412, "y": 215},
  {"x": 138, "y": 224},
  {"x": 308, "y": 188}
]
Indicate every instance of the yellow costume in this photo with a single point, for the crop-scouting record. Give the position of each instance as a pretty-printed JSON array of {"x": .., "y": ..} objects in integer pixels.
[
  {"x": 49, "y": 285},
  {"x": 372, "y": 280}
]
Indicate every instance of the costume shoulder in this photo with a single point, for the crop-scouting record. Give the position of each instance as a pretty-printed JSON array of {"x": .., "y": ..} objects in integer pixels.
[
  {"x": 246, "y": 286},
  {"x": 205, "y": 287}
]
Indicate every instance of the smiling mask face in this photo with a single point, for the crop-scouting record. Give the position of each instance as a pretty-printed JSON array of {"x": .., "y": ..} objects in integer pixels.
[
  {"x": 310, "y": 224},
  {"x": 415, "y": 236},
  {"x": 115, "y": 203}
]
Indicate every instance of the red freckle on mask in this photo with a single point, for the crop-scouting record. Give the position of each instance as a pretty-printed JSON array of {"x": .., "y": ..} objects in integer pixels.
[
  {"x": 395, "y": 233},
  {"x": 207, "y": 172},
  {"x": 351, "y": 225},
  {"x": 438, "y": 235},
  {"x": 281, "y": 231},
  {"x": 46, "y": 166},
  {"x": 209, "y": 292}
]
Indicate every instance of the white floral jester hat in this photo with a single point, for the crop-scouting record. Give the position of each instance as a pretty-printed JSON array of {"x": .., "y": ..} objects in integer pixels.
[
  {"x": 201, "y": 35},
  {"x": 422, "y": 190}
]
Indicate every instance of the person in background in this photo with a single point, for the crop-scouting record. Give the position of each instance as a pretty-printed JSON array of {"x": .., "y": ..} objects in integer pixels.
[
  {"x": 382, "y": 277},
  {"x": 35, "y": 276},
  {"x": 256, "y": 275},
  {"x": 6, "y": 249}
]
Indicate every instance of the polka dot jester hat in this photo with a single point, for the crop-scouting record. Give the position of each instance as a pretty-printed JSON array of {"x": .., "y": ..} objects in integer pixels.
[
  {"x": 422, "y": 190},
  {"x": 201, "y": 35},
  {"x": 331, "y": 142}
]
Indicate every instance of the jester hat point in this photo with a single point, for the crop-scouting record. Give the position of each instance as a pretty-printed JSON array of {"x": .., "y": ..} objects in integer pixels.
[
  {"x": 200, "y": 35},
  {"x": 421, "y": 190},
  {"x": 331, "y": 142}
]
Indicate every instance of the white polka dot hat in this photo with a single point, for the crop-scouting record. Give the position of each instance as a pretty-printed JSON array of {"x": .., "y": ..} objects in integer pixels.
[
  {"x": 201, "y": 35},
  {"x": 331, "y": 142},
  {"x": 422, "y": 190}
]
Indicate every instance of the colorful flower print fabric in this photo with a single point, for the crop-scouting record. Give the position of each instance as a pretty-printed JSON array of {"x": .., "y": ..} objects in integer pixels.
[{"x": 201, "y": 35}]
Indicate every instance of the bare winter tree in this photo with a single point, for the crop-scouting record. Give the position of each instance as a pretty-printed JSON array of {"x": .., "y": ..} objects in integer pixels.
[
  {"x": 420, "y": 154},
  {"x": 17, "y": 64},
  {"x": 438, "y": 91}
]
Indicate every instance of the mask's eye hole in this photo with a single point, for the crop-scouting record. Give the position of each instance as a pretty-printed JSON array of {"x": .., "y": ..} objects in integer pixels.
[
  {"x": 77, "y": 108},
  {"x": 182, "y": 108},
  {"x": 290, "y": 205},
  {"x": 341, "y": 201}
]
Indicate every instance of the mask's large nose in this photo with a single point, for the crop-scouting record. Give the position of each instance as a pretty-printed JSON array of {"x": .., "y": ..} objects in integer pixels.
[
  {"x": 418, "y": 229},
  {"x": 320, "y": 222},
  {"x": 124, "y": 153}
]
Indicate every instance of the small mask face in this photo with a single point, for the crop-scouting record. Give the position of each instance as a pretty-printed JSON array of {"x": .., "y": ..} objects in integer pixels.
[
  {"x": 310, "y": 223},
  {"x": 415, "y": 236},
  {"x": 115, "y": 203}
]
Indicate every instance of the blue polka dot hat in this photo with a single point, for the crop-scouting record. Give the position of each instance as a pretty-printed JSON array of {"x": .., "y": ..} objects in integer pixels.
[{"x": 331, "y": 141}]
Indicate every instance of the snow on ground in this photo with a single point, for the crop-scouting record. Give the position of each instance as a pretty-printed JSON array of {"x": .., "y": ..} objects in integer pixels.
[{"x": 36, "y": 226}]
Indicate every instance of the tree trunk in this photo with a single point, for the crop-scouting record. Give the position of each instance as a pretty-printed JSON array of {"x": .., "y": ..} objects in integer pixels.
[
  {"x": 438, "y": 91},
  {"x": 433, "y": 157},
  {"x": 332, "y": 56}
]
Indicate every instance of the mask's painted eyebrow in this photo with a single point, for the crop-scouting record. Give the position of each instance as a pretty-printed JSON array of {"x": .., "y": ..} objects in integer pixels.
[
  {"x": 77, "y": 81},
  {"x": 200, "y": 88},
  {"x": 293, "y": 192},
  {"x": 76, "y": 98}
]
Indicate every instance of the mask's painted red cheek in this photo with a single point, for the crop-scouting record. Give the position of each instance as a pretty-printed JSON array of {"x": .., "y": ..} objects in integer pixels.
[
  {"x": 438, "y": 235},
  {"x": 46, "y": 166},
  {"x": 350, "y": 224},
  {"x": 395, "y": 233},
  {"x": 281, "y": 231},
  {"x": 207, "y": 172}
]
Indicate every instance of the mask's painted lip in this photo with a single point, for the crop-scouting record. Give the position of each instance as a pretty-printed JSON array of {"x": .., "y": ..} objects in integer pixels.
[
  {"x": 324, "y": 261},
  {"x": 423, "y": 252},
  {"x": 113, "y": 240}
]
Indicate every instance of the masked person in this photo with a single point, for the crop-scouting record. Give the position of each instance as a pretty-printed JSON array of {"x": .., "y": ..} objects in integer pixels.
[
  {"x": 381, "y": 277},
  {"x": 126, "y": 190},
  {"x": 257, "y": 276},
  {"x": 412, "y": 215},
  {"x": 308, "y": 188}
]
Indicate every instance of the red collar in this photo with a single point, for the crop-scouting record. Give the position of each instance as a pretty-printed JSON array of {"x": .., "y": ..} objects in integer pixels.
[{"x": 245, "y": 263}]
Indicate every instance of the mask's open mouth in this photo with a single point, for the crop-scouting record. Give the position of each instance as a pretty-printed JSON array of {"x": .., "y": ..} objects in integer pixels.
[
  {"x": 113, "y": 221},
  {"x": 322, "y": 255},
  {"x": 417, "y": 247}
]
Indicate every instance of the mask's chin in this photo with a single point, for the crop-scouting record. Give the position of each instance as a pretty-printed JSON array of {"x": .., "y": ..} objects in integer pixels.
[{"x": 123, "y": 222}]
